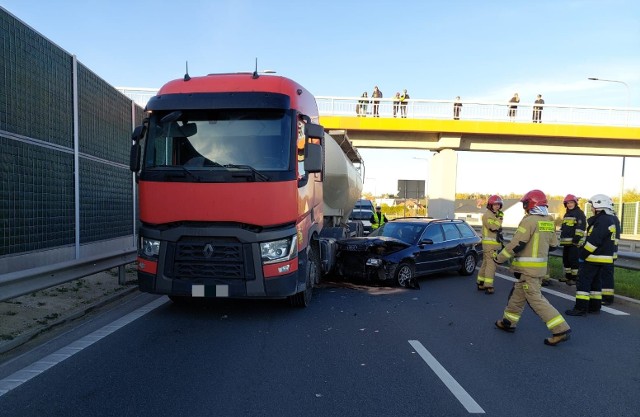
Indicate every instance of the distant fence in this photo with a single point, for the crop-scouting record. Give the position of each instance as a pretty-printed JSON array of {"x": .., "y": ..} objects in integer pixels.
[{"x": 67, "y": 196}]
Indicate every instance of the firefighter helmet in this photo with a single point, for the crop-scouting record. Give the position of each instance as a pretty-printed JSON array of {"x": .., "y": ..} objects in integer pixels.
[
  {"x": 601, "y": 201},
  {"x": 533, "y": 198},
  {"x": 494, "y": 199},
  {"x": 570, "y": 197}
]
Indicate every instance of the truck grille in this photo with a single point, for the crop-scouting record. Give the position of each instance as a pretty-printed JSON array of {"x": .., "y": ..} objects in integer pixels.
[{"x": 208, "y": 259}]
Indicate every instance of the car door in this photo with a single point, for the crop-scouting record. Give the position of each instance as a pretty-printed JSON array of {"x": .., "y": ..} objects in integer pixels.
[
  {"x": 454, "y": 247},
  {"x": 431, "y": 250}
]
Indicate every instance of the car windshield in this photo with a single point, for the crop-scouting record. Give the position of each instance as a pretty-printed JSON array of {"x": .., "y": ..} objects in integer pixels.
[
  {"x": 204, "y": 140},
  {"x": 406, "y": 232}
]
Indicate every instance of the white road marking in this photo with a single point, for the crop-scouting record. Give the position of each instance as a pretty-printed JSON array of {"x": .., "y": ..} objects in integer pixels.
[
  {"x": 453, "y": 385},
  {"x": 20, "y": 377},
  {"x": 567, "y": 297}
]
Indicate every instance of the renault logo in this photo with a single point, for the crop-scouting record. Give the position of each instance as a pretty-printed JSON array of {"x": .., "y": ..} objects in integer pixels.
[{"x": 208, "y": 250}]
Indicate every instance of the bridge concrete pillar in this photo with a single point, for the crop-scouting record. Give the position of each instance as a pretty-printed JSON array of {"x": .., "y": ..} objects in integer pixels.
[{"x": 443, "y": 172}]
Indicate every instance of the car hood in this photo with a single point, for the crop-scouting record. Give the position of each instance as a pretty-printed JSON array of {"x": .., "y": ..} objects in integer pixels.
[{"x": 380, "y": 245}]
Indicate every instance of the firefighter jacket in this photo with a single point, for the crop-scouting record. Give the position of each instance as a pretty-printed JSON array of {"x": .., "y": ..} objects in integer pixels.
[
  {"x": 573, "y": 226},
  {"x": 529, "y": 248},
  {"x": 492, "y": 230},
  {"x": 377, "y": 220},
  {"x": 601, "y": 242}
]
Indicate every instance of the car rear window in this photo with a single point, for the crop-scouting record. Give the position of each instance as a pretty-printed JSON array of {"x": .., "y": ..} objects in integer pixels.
[
  {"x": 361, "y": 215},
  {"x": 466, "y": 230}
]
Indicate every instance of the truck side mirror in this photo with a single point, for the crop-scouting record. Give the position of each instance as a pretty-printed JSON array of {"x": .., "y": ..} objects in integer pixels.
[
  {"x": 312, "y": 130},
  {"x": 313, "y": 158},
  {"x": 134, "y": 156}
]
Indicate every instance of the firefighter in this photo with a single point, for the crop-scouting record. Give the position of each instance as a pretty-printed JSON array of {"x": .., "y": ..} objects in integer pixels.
[
  {"x": 378, "y": 219},
  {"x": 491, "y": 243},
  {"x": 596, "y": 256},
  {"x": 607, "y": 276},
  {"x": 572, "y": 230},
  {"x": 529, "y": 254}
]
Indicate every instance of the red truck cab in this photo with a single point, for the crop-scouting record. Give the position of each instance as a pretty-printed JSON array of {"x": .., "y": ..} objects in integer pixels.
[{"x": 229, "y": 171}]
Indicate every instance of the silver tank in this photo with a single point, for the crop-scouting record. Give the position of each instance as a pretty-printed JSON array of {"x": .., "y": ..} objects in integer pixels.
[{"x": 342, "y": 181}]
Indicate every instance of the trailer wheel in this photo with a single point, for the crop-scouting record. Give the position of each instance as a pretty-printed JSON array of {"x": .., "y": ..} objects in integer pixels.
[{"x": 303, "y": 298}]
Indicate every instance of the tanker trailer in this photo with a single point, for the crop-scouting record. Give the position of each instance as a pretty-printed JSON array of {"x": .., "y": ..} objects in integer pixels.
[{"x": 342, "y": 187}]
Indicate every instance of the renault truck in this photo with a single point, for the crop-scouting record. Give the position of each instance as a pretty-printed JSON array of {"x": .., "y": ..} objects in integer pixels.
[{"x": 241, "y": 192}]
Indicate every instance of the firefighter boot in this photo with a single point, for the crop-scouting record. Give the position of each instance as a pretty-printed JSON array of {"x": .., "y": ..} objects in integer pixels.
[
  {"x": 580, "y": 309},
  {"x": 557, "y": 338},
  {"x": 505, "y": 325},
  {"x": 565, "y": 278}
]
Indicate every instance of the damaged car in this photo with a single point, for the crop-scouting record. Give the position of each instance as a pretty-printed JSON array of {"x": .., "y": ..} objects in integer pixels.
[{"x": 406, "y": 248}]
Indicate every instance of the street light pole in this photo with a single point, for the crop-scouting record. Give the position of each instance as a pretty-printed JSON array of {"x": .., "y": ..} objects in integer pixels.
[{"x": 627, "y": 118}]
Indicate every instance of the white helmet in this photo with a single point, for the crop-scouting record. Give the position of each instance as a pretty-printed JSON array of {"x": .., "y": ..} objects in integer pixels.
[{"x": 601, "y": 202}]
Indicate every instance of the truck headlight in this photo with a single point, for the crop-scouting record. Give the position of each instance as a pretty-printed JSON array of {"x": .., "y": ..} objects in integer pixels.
[
  {"x": 149, "y": 247},
  {"x": 279, "y": 250}
]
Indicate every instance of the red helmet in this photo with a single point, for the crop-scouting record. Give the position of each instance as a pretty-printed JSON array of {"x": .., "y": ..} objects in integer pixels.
[
  {"x": 494, "y": 199},
  {"x": 533, "y": 198},
  {"x": 570, "y": 197}
]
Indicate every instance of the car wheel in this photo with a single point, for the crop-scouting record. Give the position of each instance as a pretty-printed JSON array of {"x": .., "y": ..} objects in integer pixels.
[
  {"x": 405, "y": 273},
  {"x": 468, "y": 264},
  {"x": 303, "y": 298}
]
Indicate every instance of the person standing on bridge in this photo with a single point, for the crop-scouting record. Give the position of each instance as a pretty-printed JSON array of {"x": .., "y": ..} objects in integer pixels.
[
  {"x": 396, "y": 104},
  {"x": 529, "y": 252},
  {"x": 457, "y": 108},
  {"x": 574, "y": 223},
  {"x": 361, "y": 108},
  {"x": 403, "y": 103},
  {"x": 513, "y": 109},
  {"x": 595, "y": 255},
  {"x": 491, "y": 243},
  {"x": 537, "y": 109},
  {"x": 377, "y": 94}
]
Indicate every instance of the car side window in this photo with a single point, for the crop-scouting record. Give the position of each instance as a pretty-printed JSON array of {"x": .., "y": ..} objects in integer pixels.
[
  {"x": 433, "y": 232},
  {"x": 450, "y": 231},
  {"x": 466, "y": 230}
]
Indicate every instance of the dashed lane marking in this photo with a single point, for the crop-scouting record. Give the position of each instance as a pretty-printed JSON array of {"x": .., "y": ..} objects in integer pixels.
[{"x": 456, "y": 389}]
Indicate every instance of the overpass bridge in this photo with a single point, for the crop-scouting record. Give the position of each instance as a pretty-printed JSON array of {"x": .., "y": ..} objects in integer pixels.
[{"x": 482, "y": 127}]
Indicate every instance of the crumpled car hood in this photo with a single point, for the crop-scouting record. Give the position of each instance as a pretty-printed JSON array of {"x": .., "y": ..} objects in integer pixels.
[{"x": 380, "y": 245}]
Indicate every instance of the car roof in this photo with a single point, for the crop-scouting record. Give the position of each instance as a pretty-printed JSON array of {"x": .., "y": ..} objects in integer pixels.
[{"x": 426, "y": 220}]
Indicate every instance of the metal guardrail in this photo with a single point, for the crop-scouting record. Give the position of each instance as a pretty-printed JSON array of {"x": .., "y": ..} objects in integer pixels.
[
  {"x": 27, "y": 281},
  {"x": 486, "y": 111}
]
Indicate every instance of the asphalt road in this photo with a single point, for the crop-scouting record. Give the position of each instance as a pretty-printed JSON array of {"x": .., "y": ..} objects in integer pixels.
[{"x": 356, "y": 351}]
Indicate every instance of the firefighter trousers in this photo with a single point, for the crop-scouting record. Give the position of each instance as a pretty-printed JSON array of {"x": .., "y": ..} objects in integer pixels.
[
  {"x": 570, "y": 261},
  {"x": 589, "y": 286},
  {"x": 487, "y": 271},
  {"x": 527, "y": 290},
  {"x": 608, "y": 285}
]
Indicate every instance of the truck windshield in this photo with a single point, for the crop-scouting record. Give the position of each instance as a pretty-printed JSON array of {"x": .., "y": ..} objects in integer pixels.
[{"x": 202, "y": 140}]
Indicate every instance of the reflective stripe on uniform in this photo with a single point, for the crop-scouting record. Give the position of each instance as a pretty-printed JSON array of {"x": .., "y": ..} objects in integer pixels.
[
  {"x": 528, "y": 262},
  {"x": 512, "y": 317},
  {"x": 488, "y": 280},
  {"x": 555, "y": 321},
  {"x": 600, "y": 259},
  {"x": 590, "y": 247},
  {"x": 607, "y": 291},
  {"x": 595, "y": 295},
  {"x": 582, "y": 295}
]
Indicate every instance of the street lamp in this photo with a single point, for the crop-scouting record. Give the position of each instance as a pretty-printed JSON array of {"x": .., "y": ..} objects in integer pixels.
[{"x": 623, "y": 157}]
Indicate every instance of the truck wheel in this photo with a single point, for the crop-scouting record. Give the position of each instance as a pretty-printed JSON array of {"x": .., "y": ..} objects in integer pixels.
[
  {"x": 468, "y": 264},
  {"x": 404, "y": 274},
  {"x": 303, "y": 298}
]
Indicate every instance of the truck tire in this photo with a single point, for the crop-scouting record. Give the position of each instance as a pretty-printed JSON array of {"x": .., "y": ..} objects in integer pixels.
[{"x": 303, "y": 298}]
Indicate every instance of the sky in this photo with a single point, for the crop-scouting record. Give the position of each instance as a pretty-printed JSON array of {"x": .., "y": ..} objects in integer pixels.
[{"x": 480, "y": 50}]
